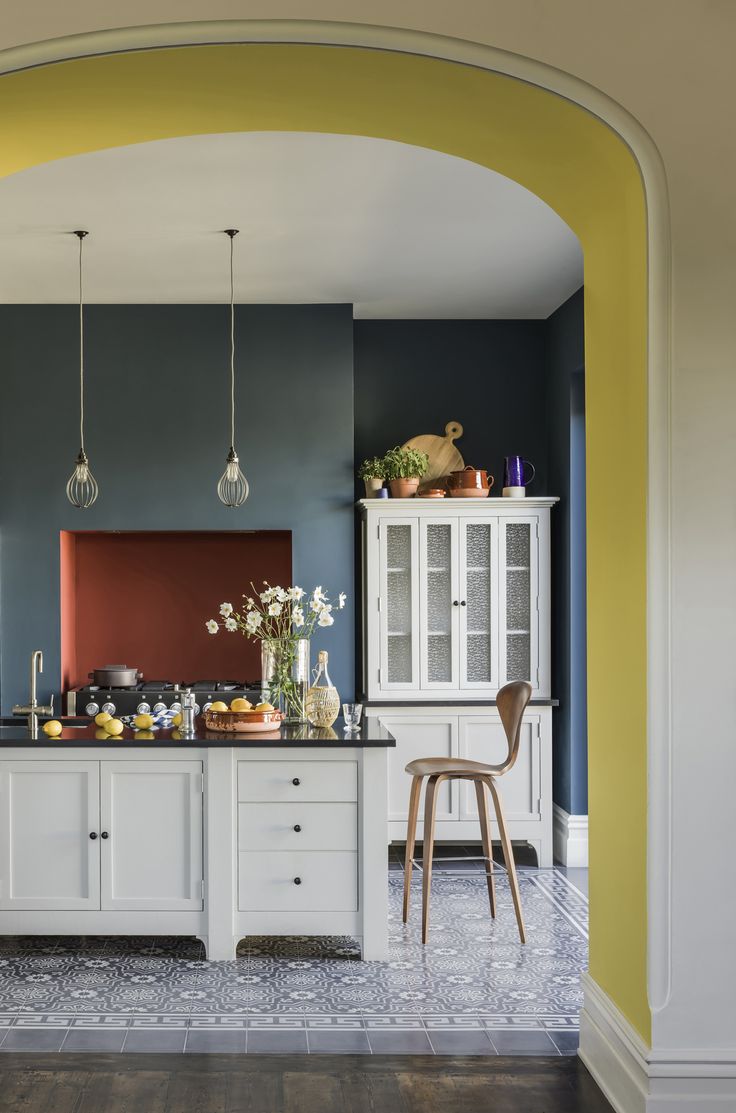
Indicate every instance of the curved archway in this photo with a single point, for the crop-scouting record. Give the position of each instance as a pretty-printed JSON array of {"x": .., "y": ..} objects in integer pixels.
[{"x": 586, "y": 172}]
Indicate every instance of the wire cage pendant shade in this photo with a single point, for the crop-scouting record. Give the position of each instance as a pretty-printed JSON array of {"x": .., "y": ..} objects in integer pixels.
[
  {"x": 232, "y": 489},
  {"x": 82, "y": 489}
]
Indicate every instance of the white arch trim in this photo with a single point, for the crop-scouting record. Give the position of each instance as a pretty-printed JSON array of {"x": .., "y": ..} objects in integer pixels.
[{"x": 648, "y": 159}]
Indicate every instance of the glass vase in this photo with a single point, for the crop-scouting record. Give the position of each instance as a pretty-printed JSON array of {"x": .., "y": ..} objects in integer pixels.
[{"x": 285, "y": 675}]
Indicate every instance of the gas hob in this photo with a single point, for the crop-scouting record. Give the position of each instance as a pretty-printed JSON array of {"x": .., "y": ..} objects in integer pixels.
[{"x": 156, "y": 695}]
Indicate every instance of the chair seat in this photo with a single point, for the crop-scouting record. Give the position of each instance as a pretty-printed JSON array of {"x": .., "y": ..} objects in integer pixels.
[{"x": 451, "y": 766}]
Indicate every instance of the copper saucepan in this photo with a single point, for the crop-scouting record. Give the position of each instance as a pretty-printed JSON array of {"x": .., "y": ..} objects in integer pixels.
[{"x": 470, "y": 478}]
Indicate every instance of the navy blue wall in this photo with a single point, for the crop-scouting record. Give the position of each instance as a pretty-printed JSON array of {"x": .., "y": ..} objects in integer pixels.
[
  {"x": 157, "y": 434},
  {"x": 566, "y": 441},
  {"x": 413, "y": 377}
]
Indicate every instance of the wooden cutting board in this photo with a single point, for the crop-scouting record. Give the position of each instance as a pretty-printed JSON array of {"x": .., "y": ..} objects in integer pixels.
[{"x": 443, "y": 455}]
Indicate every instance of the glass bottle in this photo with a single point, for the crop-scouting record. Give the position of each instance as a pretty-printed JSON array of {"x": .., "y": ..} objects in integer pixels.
[{"x": 323, "y": 701}]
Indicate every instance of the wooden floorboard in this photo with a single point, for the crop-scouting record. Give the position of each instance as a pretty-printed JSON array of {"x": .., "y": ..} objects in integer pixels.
[{"x": 90, "y": 1083}]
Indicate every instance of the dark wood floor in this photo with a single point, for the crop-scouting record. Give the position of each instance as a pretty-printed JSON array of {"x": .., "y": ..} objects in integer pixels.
[{"x": 294, "y": 1084}]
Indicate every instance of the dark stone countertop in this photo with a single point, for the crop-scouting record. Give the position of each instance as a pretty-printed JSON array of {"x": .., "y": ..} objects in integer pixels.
[{"x": 289, "y": 736}]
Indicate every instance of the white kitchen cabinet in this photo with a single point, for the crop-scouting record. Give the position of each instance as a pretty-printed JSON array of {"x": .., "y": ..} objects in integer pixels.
[
  {"x": 456, "y": 597},
  {"x": 470, "y": 732},
  {"x": 151, "y": 835},
  {"x": 49, "y": 826}
]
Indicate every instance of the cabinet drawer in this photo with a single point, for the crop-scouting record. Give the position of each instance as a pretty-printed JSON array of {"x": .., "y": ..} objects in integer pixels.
[
  {"x": 328, "y": 881},
  {"x": 320, "y": 826},
  {"x": 274, "y": 781}
]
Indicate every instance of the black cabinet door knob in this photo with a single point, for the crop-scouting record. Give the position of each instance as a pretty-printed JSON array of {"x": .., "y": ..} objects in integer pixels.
[
  {"x": 463, "y": 603},
  {"x": 296, "y": 781},
  {"x": 104, "y": 835},
  {"x": 297, "y": 880},
  {"x": 455, "y": 603},
  {"x": 93, "y": 834},
  {"x": 297, "y": 827}
]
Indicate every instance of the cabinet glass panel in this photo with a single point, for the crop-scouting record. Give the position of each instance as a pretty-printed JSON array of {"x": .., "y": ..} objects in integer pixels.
[
  {"x": 518, "y": 601},
  {"x": 478, "y": 573},
  {"x": 439, "y": 602},
  {"x": 398, "y": 603}
]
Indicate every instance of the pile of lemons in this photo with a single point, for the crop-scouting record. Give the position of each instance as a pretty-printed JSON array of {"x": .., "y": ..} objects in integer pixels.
[{"x": 240, "y": 704}]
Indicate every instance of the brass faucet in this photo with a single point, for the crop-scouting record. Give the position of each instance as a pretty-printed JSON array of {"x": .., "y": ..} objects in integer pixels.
[{"x": 34, "y": 709}]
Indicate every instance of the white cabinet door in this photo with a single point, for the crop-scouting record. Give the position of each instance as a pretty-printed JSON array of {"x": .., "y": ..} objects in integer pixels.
[
  {"x": 519, "y": 601},
  {"x": 478, "y": 557},
  {"x": 482, "y": 738},
  {"x": 399, "y": 603},
  {"x": 151, "y": 835},
  {"x": 48, "y": 811},
  {"x": 417, "y": 735},
  {"x": 439, "y": 603}
]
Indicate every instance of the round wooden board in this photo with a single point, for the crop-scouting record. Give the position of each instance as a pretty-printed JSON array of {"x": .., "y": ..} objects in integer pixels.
[{"x": 443, "y": 455}]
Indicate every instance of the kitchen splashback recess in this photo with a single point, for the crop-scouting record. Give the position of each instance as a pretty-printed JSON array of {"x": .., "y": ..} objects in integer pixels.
[{"x": 142, "y": 598}]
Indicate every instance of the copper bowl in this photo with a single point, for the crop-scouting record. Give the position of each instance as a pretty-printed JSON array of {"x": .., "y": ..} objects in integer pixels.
[
  {"x": 243, "y": 722},
  {"x": 470, "y": 478}
]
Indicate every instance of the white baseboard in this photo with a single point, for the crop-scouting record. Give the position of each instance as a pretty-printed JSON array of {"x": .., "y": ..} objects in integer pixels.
[
  {"x": 637, "y": 1079},
  {"x": 569, "y": 837}
]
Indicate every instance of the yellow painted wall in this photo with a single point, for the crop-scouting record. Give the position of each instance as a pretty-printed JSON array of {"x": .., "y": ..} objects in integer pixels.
[{"x": 580, "y": 168}]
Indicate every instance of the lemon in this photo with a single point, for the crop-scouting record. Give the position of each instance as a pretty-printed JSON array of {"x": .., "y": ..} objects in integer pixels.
[
  {"x": 241, "y": 704},
  {"x": 176, "y": 721},
  {"x": 175, "y": 735},
  {"x": 101, "y": 734},
  {"x": 113, "y": 726},
  {"x": 53, "y": 728},
  {"x": 102, "y": 718},
  {"x": 143, "y": 721},
  {"x": 144, "y": 735},
  {"x": 218, "y": 705},
  {"x": 265, "y": 707}
]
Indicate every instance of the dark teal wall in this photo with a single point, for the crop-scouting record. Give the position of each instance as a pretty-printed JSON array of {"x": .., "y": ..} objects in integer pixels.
[
  {"x": 157, "y": 434},
  {"x": 414, "y": 376},
  {"x": 566, "y": 433}
]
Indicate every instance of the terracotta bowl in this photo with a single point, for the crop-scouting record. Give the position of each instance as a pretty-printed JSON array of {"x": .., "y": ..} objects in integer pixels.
[
  {"x": 432, "y": 493},
  {"x": 243, "y": 722}
]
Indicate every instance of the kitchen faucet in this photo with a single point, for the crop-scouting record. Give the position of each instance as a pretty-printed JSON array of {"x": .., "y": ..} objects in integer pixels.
[{"x": 34, "y": 709}]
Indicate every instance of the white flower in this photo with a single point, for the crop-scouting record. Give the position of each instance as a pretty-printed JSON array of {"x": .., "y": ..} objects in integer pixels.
[
  {"x": 274, "y": 609},
  {"x": 267, "y": 596},
  {"x": 342, "y": 600},
  {"x": 318, "y": 595},
  {"x": 212, "y": 626},
  {"x": 281, "y": 595},
  {"x": 297, "y": 616},
  {"x": 315, "y": 605},
  {"x": 231, "y": 624},
  {"x": 253, "y": 621},
  {"x": 325, "y": 619},
  {"x": 296, "y": 593},
  {"x": 226, "y": 609}
]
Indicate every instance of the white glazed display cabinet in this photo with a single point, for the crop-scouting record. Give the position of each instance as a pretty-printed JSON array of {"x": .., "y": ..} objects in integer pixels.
[{"x": 456, "y": 603}]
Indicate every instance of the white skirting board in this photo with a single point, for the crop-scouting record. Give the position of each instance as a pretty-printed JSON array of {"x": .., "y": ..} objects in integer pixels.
[
  {"x": 569, "y": 837},
  {"x": 637, "y": 1079}
]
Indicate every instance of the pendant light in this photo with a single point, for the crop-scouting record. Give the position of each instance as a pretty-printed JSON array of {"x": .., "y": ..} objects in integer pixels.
[
  {"x": 232, "y": 489},
  {"x": 82, "y": 489}
]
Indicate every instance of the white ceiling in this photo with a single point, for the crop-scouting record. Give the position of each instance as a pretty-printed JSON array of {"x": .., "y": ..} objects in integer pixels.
[{"x": 399, "y": 231}]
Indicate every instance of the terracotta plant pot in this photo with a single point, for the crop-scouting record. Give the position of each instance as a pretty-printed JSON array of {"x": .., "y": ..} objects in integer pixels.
[
  {"x": 371, "y": 486},
  {"x": 403, "y": 488}
]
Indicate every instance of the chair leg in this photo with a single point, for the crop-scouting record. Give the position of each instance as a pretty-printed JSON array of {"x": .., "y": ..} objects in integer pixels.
[
  {"x": 485, "y": 835},
  {"x": 508, "y": 857},
  {"x": 411, "y": 830},
  {"x": 430, "y": 805}
]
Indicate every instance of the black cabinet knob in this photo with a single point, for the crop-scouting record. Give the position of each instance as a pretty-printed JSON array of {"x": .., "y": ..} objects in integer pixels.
[
  {"x": 455, "y": 603},
  {"x": 297, "y": 827},
  {"x": 463, "y": 603},
  {"x": 296, "y": 781},
  {"x": 297, "y": 880},
  {"x": 104, "y": 835},
  {"x": 93, "y": 834}
]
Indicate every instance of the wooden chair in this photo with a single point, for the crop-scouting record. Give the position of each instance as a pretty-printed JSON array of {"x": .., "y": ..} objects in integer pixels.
[{"x": 511, "y": 702}]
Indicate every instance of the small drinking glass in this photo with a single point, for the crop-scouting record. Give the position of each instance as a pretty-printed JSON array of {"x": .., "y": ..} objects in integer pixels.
[{"x": 351, "y": 713}]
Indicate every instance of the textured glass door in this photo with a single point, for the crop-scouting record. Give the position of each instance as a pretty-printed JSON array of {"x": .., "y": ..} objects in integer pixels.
[
  {"x": 478, "y": 603},
  {"x": 519, "y": 600},
  {"x": 399, "y": 598},
  {"x": 439, "y": 602}
]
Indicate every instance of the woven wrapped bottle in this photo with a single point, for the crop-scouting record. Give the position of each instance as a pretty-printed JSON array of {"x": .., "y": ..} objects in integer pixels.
[{"x": 323, "y": 701}]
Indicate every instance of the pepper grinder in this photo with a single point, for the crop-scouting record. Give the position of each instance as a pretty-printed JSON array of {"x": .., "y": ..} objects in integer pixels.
[{"x": 187, "y": 712}]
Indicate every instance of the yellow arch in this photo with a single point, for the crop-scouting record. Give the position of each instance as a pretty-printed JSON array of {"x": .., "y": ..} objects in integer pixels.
[{"x": 580, "y": 167}]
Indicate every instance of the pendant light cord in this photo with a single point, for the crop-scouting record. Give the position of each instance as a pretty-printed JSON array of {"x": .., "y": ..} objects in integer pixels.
[
  {"x": 81, "y": 348},
  {"x": 232, "y": 347}
]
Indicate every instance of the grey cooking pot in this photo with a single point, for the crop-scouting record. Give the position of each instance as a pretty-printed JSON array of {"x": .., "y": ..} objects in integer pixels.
[{"x": 116, "y": 676}]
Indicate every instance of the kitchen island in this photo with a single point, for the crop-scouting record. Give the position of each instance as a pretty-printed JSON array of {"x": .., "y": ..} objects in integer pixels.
[{"x": 212, "y": 835}]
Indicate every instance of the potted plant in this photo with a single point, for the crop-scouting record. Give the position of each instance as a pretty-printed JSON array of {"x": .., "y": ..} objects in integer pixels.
[
  {"x": 373, "y": 473},
  {"x": 403, "y": 468}
]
